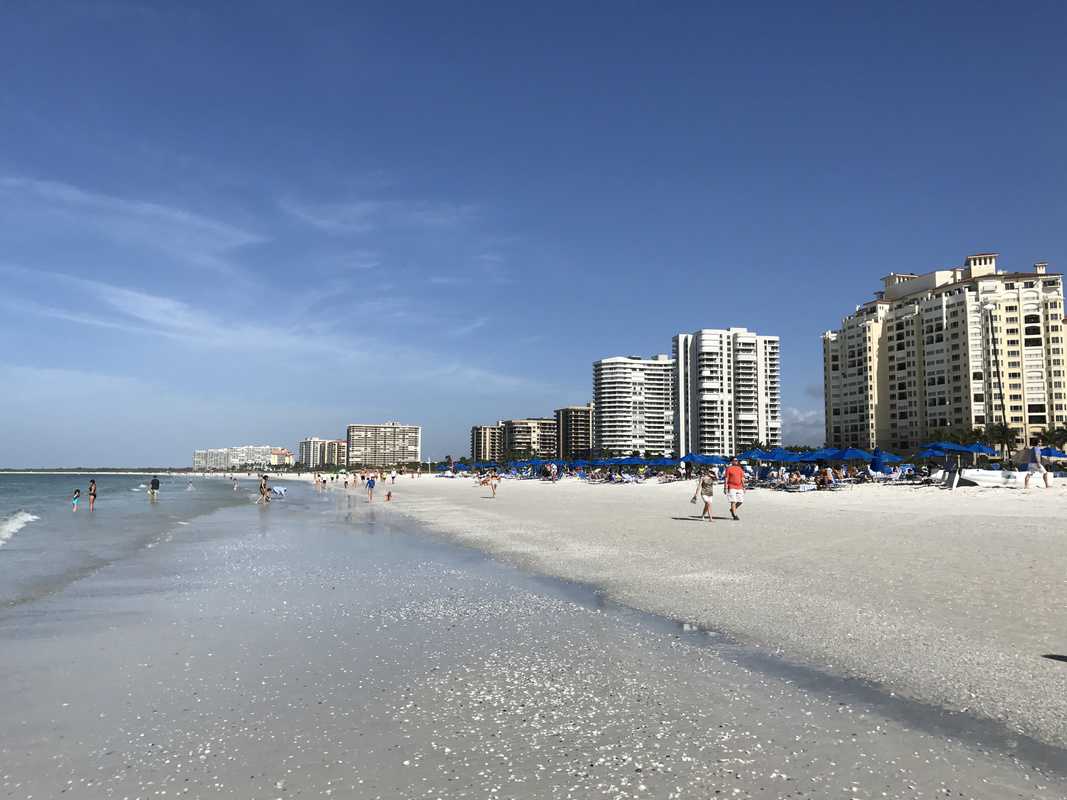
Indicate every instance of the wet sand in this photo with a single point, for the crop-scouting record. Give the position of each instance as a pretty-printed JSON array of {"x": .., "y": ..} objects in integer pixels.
[
  {"x": 322, "y": 647},
  {"x": 950, "y": 598}
]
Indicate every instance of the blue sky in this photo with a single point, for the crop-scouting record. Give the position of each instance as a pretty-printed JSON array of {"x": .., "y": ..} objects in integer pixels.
[{"x": 231, "y": 223}]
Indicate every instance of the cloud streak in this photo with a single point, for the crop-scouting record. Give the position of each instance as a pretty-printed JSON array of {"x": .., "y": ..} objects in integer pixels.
[
  {"x": 356, "y": 217},
  {"x": 178, "y": 233}
]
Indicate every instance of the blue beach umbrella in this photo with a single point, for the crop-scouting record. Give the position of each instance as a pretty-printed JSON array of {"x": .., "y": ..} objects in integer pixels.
[
  {"x": 931, "y": 452},
  {"x": 852, "y": 454},
  {"x": 754, "y": 454}
]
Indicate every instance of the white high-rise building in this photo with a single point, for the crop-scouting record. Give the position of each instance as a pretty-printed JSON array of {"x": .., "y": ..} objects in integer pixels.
[
  {"x": 384, "y": 444},
  {"x": 633, "y": 405},
  {"x": 312, "y": 452},
  {"x": 249, "y": 455},
  {"x": 957, "y": 347},
  {"x": 727, "y": 391}
]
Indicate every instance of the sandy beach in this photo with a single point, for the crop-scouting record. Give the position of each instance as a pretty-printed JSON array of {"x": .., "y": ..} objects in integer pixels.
[
  {"x": 948, "y": 597},
  {"x": 325, "y": 646}
]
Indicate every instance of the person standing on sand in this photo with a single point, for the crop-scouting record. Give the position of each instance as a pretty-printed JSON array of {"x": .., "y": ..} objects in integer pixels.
[
  {"x": 704, "y": 490},
  {"x": 1035, "y": 465},
  {"x": 92, "y": 494},
  {"x": 734, "y": 485}
]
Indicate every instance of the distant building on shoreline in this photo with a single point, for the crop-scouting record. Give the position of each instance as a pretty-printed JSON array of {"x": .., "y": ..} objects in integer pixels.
[
  {"x": 575, "y": 426},
  {"x": 633, "y": 405},
  {"x": 223, "y": 458},
  {"x": 487, "y": 442},
  {"x": 383, "y": 444},
  {"x": 534, "y": 437},
  {"x": 727, "y": 391},
  {"x": 962, "y": 346},
  {"x": 316, "y": 453}
]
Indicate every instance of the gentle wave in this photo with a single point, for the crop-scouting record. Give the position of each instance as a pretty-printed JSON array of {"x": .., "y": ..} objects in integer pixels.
[{"x": 15, "y": 523}]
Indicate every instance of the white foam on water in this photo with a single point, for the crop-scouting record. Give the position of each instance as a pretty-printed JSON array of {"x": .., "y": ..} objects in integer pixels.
[{"x": 15, "y": 523}]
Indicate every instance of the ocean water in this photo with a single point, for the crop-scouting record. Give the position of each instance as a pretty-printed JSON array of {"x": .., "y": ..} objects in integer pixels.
[{"x": 44, "y": 546}]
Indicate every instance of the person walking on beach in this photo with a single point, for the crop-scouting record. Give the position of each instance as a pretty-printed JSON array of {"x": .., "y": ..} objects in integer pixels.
[
  {"x": 92, "y": 494},
  {"x": 704, "y": 490},
  {"x": 74, "y": 498},
  {"x": 1035, "y": 465},
  {"x": 370, "y": 488},
  {"x": 392, "y": 477},
  {"x": 153, "y": 488},
  {"x": 734, "y": 484}
]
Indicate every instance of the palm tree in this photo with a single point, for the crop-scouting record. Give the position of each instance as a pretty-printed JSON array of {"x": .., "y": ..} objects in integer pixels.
[
  {"x": 1056, "y": 437},
  {"x": 1002, "y": 435}
]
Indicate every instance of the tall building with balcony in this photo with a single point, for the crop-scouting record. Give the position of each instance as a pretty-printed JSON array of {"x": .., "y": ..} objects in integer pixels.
[
  {"x": 313, "y": 452},
  {"x": 534, "y": 437},
  {"x": 962, "y": 346},
  {"x": 575, "y": 426},
  {"x": 727, "y": 391},
  {"x": 337, "y": 453},
  {"x": 384, "y": 444},
  {"x": 633, "y": 400},
  {"x": 487, "y": 442}
]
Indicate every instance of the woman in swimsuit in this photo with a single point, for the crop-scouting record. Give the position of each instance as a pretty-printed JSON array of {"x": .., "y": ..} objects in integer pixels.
[{"x": 92, "y": 494}]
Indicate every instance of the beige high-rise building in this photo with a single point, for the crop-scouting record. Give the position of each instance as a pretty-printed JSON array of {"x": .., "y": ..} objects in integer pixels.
[
  {"x": 337, "y": 453},
  {"x": 633, "y": 402},
  {"x": 575, "y": 427},
  {"x": 384, "y": 444},
  {"x": 961, "y": 346},
  {"x": 535, "y": 437},
  {"x": 727, "y": 391},
  {"x": 487, "y": 442}
]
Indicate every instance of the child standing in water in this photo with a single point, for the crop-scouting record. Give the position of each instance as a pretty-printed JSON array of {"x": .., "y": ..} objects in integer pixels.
[{"x": 75, "y": 498}]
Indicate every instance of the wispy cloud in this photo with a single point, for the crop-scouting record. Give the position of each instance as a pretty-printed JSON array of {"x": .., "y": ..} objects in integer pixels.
[
  {"x": 342, "y": 218},
  {"x": 181, "y": 234},
  {"x": 361, "y": 216},
  {"x": 470, "y": 327},
  {"x": 144, "y": 313}
]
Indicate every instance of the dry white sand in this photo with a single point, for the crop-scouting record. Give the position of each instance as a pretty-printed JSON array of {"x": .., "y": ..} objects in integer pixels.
[{"x": 949, "y": 597}]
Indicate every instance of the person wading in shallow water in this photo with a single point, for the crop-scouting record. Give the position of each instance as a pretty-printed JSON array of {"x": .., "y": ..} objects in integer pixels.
[
  {"x": 734, "y": 484},
  {"x": 92, "y": 494}
]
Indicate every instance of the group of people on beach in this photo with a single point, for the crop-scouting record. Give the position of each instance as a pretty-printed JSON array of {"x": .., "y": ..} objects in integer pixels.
[
  {"x": 733, "y": 485},
  {"x": 76, "y": 495}
]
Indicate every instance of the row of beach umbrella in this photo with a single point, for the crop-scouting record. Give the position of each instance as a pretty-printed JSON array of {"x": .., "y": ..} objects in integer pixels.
[{"x": 877, "y": 458}]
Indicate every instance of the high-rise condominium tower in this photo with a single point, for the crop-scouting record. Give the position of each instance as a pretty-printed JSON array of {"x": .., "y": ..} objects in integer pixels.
[
  {"x": 574, "y": 431},
  {"x": 534, "y": 437},
  {"x": 487, "y": 442},
  {"x": 961, "y": 346},
  {"x": 727, "y": 391},
  {"x": 633, "y": 402},
  {"x": 384, "y": 444}
]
